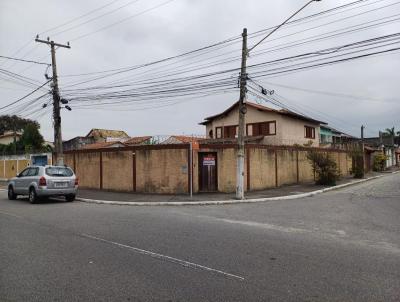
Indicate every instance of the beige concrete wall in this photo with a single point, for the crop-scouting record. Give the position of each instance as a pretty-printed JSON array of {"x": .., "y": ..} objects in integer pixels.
[
  {"x": 262, "y": 169},
  {"x": 13, "y": 167},
  {"x": 289, "y": 131},
  {"x": 162, "y": 171},
  {"x": 118, "y": 164},
  {"x": 88, "y": 169},
  {"x": 226, "y": 160},
  {"x": 166, "y": 170},
  {"x": 69, "y": 160},
  {"x": 306, "y": 173},
  {"x": 287, "y": 167}
]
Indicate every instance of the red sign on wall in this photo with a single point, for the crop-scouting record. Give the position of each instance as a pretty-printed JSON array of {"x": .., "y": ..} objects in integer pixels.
[{"x": 209, "y": 161}]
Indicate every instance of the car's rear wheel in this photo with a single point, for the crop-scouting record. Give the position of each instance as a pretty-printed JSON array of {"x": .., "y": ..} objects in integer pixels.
[
  {"x": 11, "y": 193},
  {"x": 33, "y": 198},
  {"x": 70, "y": 198}
]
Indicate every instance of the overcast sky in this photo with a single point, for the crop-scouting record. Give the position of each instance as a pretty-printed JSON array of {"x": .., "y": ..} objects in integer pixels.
[{"x": 182, "y": 25}]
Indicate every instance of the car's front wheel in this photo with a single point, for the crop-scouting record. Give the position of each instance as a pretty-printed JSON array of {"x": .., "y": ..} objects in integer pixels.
[
  {"x": 33, "y": 198},
  {"x": 70, "y": 198},
  {"x": 11, "y": 193}
]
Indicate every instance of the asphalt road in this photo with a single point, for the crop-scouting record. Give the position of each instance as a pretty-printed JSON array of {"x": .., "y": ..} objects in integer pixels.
[{"x": 339, "y": 246}]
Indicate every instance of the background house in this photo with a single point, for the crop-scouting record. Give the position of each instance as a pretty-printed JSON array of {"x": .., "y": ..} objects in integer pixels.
[
  {"x": 330, "y": 137},
  {"x": 106, "y": 135},
  {"x": 264, "y": 125},
  {"x": 95, "y": 136},
  {"x": 8, "y": 137},
  {"x": 77, "y": 143}
]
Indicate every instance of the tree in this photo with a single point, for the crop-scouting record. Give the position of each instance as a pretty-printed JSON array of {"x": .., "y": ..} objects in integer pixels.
[
  {"x": 31, "y": 139},
  {"x": 389, "y": 132},
  {"x": 325, "y": 168},
  {"x": 15, "y": 123}
]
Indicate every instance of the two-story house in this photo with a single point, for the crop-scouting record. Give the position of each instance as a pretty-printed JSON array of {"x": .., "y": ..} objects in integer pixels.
[{"x": 269, "y": 126}]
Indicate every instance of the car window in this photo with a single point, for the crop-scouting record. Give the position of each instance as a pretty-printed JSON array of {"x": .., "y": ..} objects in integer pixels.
[
  {"x": 59, "y": 172},
  {"x": 33, "y": 172},
  {"x": 24, "y": 173}
]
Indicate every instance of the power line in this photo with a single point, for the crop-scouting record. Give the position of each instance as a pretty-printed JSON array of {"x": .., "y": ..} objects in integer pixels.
[
  {"x": 25, "y": 96},
  {"x": 79, "y": 17},
  {"x": 95, "y": 18},
  {"x": 233, "y": 59},
  {"x": 123, "y": 20},
  {"x": 22, "y": 60}
]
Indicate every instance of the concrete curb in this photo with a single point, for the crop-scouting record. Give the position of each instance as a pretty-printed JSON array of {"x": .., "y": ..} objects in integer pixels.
[{"x": 232, "y": 201}]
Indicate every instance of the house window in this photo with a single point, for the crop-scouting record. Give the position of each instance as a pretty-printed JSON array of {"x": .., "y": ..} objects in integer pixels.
[
  {"x": 309, "y": 132},
  {"x": 218, "y": 132},
  {"x": 265, "y": 128},
  {"x": 230, "y": 131}
]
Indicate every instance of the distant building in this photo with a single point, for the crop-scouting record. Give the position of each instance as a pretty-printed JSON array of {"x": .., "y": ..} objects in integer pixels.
[
  {"x": 103, "y": 145},
  {"x": 8, "y": 137},
  {"x": 105, "y": 135},
  {"x": 139, "y": 140},
  {"x": 77, "y": 143},
  {"x": 331, "y": 137}
]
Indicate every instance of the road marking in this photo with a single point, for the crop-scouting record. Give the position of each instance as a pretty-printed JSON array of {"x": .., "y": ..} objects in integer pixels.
[
  {"x": 166, "y": 258},
  {"x": 265, "y": 226},
  {"x": 10, "y": 214}
]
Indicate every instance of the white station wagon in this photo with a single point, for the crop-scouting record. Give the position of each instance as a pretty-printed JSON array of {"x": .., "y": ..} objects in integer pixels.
[{"x": 42, "y": 182}]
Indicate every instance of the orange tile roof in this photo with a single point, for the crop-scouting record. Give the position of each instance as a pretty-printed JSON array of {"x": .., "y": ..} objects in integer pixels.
[{"x": 137, "y": 140}]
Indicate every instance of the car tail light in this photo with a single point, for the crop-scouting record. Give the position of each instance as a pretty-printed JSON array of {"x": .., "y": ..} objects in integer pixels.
[
  {"x": 42, "y": 181},
  {"x": 76, "y": 181}
]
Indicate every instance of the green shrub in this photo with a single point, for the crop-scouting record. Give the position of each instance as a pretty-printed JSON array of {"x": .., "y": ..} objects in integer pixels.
[
  {"x": 380, "y": 162},
  {"x": 358, "y": 163},
  {"x": 324, "y": 167}
]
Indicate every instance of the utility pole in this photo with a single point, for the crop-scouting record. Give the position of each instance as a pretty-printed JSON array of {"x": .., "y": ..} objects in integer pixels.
[
  {"x": 242, "y": 106},
  {"x": 362, "y": 133},
  {"x": 58, "y": 143},
  {"x": 242, "y": 112},
  {"x": 362, "y": 148}
]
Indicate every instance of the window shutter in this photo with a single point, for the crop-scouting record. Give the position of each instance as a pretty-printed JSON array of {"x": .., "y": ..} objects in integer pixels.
[
  {"x": 272, "y": 128},
  {"x": 249, "y": 130}
]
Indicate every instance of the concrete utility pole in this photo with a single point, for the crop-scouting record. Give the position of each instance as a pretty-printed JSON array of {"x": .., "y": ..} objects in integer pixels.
[
  {"x": 58, "y": 143},
  {"x": 242, "y": 105},
  {"x": 242, "y": 112}
]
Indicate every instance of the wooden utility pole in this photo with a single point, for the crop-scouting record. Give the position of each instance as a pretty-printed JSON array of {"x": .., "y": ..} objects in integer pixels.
[
  {"x": 242, "y": 112},
  {"x": 58, "y": 143}
]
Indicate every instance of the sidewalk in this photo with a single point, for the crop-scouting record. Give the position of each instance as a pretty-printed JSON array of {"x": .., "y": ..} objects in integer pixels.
[{"x": 284, "y": 192}]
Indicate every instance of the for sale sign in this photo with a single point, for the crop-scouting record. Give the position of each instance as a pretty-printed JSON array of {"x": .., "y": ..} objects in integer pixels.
[{"x": 209, "y": 161}]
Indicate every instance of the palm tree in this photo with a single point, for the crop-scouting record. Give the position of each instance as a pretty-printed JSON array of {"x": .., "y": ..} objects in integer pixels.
[{"x": 390, "y": 132}]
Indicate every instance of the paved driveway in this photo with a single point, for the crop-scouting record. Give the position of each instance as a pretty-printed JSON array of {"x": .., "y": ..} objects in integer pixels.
[{"x": 339, "y": 246}]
